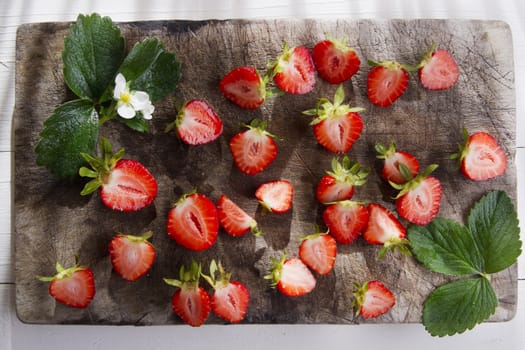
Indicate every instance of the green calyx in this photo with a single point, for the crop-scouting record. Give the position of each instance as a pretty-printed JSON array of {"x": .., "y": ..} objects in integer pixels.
[
  {"x": 413, "y": 182},
  {"x": 259, "y": 127},
  {"x": 427, "y": 56},
  {"x": 275, "y": 273},
  {"x": 347, "y": 171},
  {"x": 62, "y": 272},
  {"x": 217, "y": 282},
  {"x": 393, "y": 65},
  {"x": 384, "y": 152},
  {"x": 463, "y": 148},
  {"x": 326, "y": 109},
  {"x": 138, "y": 239},
  {"x": 188, "y": 278},
  {"x": 359, "y": 296},
  {"x": 100, "y": 167},
  {"x": 341, "y": 44},
  {"x": 401, "y": 244}
]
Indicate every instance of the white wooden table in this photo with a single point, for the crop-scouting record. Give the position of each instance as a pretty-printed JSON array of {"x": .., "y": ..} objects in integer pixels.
[{"x": 16, "y": 335}]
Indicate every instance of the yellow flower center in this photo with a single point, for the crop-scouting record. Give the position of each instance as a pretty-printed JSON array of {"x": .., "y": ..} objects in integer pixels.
[{"x": 125, "y": 97}]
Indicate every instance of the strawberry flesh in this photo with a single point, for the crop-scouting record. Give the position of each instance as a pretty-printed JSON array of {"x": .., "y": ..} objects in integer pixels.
[
  {"x": 276, "y": 196},
  {"x": 483, "y": 158},
  {"x": 234, "y": 219},
  {"x": 346, "y": 220},
  {"x": 421, "y": 204},
  {"x": 128, "y": 187},
  {"x": 439, "y": 71},
  {"x": 386, "y": 82},
  {"x": 197, "y": 123},
  {"x": 338, "y": 133},
  {"x": 230, "y": 301},
  {"x": 318, "y": 252},
  {"x": 331, "y": 190},
  {"x": 373, "y": 299},
  {"x": 76, "y": 289},
  {"x": 194, "y": 222},
  {"x": 335, "y": 62},
  {"x": 295, "y": 71},
  {"x": 192, "y": 304},
  {"x": 383, "y": 226},
  {"x": 296, "y": 279},
  {"x": 244, "y": 87},
  {"x": 131, "y": 257}
]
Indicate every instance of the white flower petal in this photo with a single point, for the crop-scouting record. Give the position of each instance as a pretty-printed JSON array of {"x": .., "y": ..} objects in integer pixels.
[
  {"x": 120, "y": 86},
  {"x": 126, "y": 111},
  {"x": 139, "y": 99},
  {"x": 147, "y": 111}
]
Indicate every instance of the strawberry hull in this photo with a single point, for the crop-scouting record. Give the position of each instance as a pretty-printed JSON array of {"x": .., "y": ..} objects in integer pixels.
[{"x": 52, "y": 221}]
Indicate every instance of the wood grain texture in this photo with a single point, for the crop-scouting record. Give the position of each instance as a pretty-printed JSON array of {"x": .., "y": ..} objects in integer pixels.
[{"x": 53, "y": 222}]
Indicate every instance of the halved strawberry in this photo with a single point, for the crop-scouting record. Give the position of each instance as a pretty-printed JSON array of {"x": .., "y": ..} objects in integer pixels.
[
  {"x": 385, "y": 229},
  {"x": 275, "y": 196},
  {"x": 336, "y": 126},
  {"x": 438, "y": 69},
  {"x": 235, "y": 221},
  {"x": 197, "y": 123},
  {"x": 419, "y": 199},
  {"x": 253, "y": 150},
  {"x": 318, "y": 252},
  {"x": 480, "y": 156},
  {"x": 396, "y": 163},
  {"x": 244, "y": 86},
  {"x": 193, "y": 222},
  {"x": 372, "y": 299},
  {"x": 335, "y": 61},
  {"x": 230, "y": 298},
  {"x": 125, "y": 184},
  {"x": 74, "y": 286},
  {"x": 339, "y": 183},
  {"x": 132, "y": 256},
  {"x": 190, "y": 302},
  {"x": 346, "y": 220},
  {"x": 294, "y": 70},
  {"x": 386, "y": 82},
  {"x": 291, "y": 277}
]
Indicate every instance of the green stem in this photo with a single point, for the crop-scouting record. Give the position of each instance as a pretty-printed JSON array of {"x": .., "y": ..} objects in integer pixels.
[{"x": 111, "y": 113}]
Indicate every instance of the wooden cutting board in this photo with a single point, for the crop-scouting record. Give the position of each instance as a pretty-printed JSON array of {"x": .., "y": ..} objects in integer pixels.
[{"x": 54, "y": 223}]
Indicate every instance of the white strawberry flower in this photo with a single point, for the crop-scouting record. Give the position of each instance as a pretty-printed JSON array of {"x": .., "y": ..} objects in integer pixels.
[{"x": 129, "y": 102}]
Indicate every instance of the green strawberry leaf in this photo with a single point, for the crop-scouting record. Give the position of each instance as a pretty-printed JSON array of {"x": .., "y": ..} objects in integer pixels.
[
  {"x": 138, "y": 124},
  {"x": 93, "y": 51},
  {"x": 152, "y": 69},
  {"x": 69, "y": 131},
  {"x": 493, "y": 222},
  {"x": 445, "y": 246},
  {"x": 458, "y": 306}
]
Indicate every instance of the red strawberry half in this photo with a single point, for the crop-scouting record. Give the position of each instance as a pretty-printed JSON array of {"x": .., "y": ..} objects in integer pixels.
[
  {"x": 230, "y": 298},
  {"x": 132, "y": 256},
  {"x": 125, "y": 184},
  {"x": 253, "y": 150},
  {"x": 197, "y": 123},
  {"x": 294, "y": 70},
  {"x": 339, "y": 183},
  {"x": 244, "y": 87},
  {"x": 275, "y": 196},
  {"x": 438, "y": 69},
  {"x": 336, "y": 126},
  {"x": 193, "y": 222},
  {"x": 74, "y": 286},
  {"x": 385, "y": 229},
  {"x": 481, "y": 157},
  {"x": 318, "y": 252},
  {"x": 335, "y": 61},
  {"x": 291, "y": 277},
  {"x": 419, "y": 199},
  {"x": 235, "y": 221},
  {"x": 386, "y": 82},
  {"x": 399, "y": 166},
  {"x": 372, "y": 299},
  {"x": 346, "y": 220},
  {"x": 190, "y": 302}
]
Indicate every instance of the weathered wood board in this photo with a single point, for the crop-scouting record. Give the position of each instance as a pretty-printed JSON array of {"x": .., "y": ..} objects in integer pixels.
[{"x": 52, "y": 222}]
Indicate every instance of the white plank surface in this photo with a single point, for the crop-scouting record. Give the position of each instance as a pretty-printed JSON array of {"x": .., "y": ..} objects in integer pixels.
[{"x": 15, "y": 335}]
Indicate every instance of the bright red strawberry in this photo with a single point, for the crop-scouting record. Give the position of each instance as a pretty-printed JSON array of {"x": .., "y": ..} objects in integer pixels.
[
  {"x": 385, "y": 229},
  {"x": 386, "y": 82},
  {"x": 197, "y": 123},
  {"x": 339, "y": 183},
  {"x": 190, "y": 302},
  {"x": 335, "y": 61},
  {"x": 275, "y": 196},
  {"x": 372, "y": 299},
  {"x": 480, "y": 156},
  {"x": 336, "y": 126},
  {"x": 346, "y": 220},
  {"x": 230, "y": 298},
  {"x": 132, "y": 256},
  {"x": 125, "y": 184},
  {"x": 419, "y": 199},
  {"x": 438, "y": 69},
  {"x": 193, "y": 222},
  {"x": 318, "y": 252},
  {"x": 253, "y": 150},
  {"x": 244, "y": 87},
  {"x": 74, "y": 286},
  {"x": 291, "y": 277},
  {"x": 396, "y": 163},
  {"x": 235, "y": 221},
  {"x": 294, "y": 70}
]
